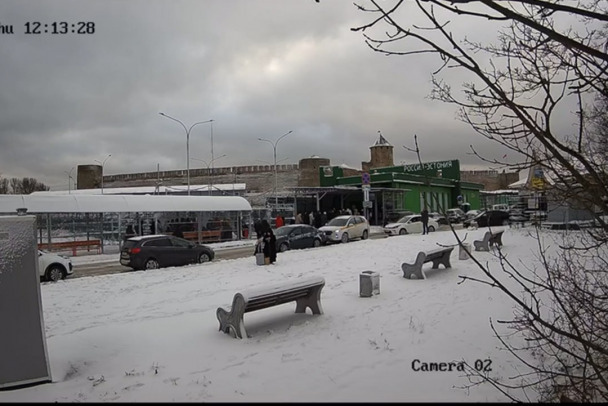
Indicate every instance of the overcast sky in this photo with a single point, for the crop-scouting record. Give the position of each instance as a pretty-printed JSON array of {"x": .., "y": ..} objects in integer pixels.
[{"x": 257, "y": 68}]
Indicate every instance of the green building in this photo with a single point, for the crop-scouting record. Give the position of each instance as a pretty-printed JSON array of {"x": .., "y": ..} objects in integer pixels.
[{"x": 388, "y": 190}]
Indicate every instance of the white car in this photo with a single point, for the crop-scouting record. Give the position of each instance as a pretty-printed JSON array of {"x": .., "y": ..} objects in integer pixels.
[
  {"x": 346, "y": 228},
  {"x": 53, "y": 267},
  {"x": 411, "y": 224}
]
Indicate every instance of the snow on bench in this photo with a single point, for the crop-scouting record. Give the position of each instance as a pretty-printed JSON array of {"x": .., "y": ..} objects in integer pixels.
[
  {"x": 490, "y": 238},
  {"x": 437, "y": 256},
  {"x": 306, "y": 292}
]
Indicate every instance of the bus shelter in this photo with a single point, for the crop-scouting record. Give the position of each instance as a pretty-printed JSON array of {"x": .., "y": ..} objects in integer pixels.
[{"x": 80, "y": 221}]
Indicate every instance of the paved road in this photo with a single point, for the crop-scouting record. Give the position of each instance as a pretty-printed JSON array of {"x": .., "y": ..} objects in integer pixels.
[{"x": 105, "y": 268}]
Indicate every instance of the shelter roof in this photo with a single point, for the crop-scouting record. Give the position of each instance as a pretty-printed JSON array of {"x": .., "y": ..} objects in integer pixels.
[
  {"x": 119, "y": 203},
  {"x": 162, "y": 190}
]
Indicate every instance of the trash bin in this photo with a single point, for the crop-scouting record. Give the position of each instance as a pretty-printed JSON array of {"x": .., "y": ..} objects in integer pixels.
[
  {"x": 462, "y": 254},
  {"x": 369, "y": 283}
]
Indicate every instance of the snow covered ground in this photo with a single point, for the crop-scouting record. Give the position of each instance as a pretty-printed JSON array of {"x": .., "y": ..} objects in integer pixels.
[{"x": 153, "y": 335}]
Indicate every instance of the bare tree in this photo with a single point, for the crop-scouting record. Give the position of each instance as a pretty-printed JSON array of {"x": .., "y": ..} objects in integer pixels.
[
  {"x": 29, "y": 185},
  {"x": 21, "y": 186},
  {"x": 548, "y": 59},
  {"x": 3, "y": 186},
  {"x": 15, "y": 186}
]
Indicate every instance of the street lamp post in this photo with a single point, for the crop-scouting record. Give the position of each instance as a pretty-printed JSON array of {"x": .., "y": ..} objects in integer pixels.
[
  {"x": 187, "y": 142},
  {"x": 274, "y": 149},
  {"x": 102, "y": 165},
  {"x": 69, "y": 178},
  {"x": 207, "y": 165}
]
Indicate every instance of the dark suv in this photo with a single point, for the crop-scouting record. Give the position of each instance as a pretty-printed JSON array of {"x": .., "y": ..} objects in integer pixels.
[{"x": 159, "y": 251}]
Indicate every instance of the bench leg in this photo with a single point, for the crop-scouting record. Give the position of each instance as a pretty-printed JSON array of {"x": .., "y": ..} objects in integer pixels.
[
  {"x": 481, "y": 245},
  {"x": 313, "y": 301},
  {"x": 232, "y": 322},
  {"x": 444, "y": 260},
  {"x": 415, "y": 268}
]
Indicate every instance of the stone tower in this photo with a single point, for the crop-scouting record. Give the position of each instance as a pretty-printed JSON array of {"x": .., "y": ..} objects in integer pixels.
[
  {"x": 89, "y": 177},
  {"x": 309, "y": 170},
  {"x": 381, "y": 155}
]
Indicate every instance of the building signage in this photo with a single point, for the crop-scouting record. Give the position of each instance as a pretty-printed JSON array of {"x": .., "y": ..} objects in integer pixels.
[
  {"x": 328, "y": 171},
  {"x": 429, "y": 166}
]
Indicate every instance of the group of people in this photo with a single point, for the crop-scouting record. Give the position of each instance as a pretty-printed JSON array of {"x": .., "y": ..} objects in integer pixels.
[
  {"x": 320, "y": 218},
  {"x": 266, "y": 240}
]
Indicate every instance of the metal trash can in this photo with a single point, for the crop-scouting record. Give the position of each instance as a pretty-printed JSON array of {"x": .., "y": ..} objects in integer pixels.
[
  {"x": 462, "y": 254},
  {"x": 369, "y": 283}
]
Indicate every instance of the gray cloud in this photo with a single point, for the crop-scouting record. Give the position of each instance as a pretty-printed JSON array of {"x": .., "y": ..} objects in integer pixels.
[{"x": 258, "y": 68}]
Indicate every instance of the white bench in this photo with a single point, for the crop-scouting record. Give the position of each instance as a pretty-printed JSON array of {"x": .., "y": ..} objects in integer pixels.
[
  {"x": 490, "y": 238},
  {"x": 306, "y": 292},
  {"x": 438, "y": 256}
]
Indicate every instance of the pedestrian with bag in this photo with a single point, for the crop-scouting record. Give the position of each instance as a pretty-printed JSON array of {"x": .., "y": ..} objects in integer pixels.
[{"x": 270, "y": 243}]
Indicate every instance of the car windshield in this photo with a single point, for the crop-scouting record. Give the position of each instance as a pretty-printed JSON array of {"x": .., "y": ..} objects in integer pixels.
[
  {"x": 404, "y": 219},
  {"x": 337, "y": 222}
]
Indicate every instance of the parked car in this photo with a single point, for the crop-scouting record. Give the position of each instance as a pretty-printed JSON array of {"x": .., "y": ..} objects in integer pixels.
[
  {"x": 160, "y": 251},
  {"x": 518, "y": 216},
  {"x": 537, "y": 215},
  {"x": 295, "y": 236},
  {"x": 409, "y": 225},
  {"x": 440, "y": 219},
  {"x": 346, "y": 228},
  {"x": 392, "y": 216},
  {"x": 53, "y": 267},
  {"x": 455, "y": 215},
  {"x": 489, "y": 218},
  {"x": 471, "y": 213}
]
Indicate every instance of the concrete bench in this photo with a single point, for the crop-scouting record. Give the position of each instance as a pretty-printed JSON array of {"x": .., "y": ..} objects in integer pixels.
[
  {"x": 73, "y": 246},
  {"x": 437, "y": 256},
  {"x": 490, "y": 238},
  {"x": 306, "y": 292}
]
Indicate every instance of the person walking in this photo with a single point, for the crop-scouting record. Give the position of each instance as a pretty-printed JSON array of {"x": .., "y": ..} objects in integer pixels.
[
  {"x": 279, "y": 221},
  {"x": 270, "y": 242},
  {"x": 318, "y": 220},
  {"x": 424, "y": 215},
  {"x": 299, "y": 218}
]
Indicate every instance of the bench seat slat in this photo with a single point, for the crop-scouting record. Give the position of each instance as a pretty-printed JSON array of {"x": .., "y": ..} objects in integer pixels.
[
  {"x": 436, "y": 256},
  {"x": 305, "y": 292}
]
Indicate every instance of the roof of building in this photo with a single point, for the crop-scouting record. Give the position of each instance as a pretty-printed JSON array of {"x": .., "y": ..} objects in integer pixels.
[
  {"x": 71, "y": 203},
  {"x": 381, "y": 141}
]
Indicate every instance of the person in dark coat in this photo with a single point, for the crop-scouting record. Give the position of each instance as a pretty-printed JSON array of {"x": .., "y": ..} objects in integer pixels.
[
  {"x": 129, "y": 232},
  {"x": 257, "y": 226},
  {"x": 424, "y": 216},
  {"x": 318, "y": 221},
  {"x": 270, "y": 242},
  {"x": 178, "y": 232}
]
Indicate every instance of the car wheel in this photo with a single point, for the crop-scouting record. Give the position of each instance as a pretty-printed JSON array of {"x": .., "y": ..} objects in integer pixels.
[
  {"x": 204, "y": 257},
  {"x": 152, "y": 264},
  {"x": 316, "y": 243},
  {"x": 283, "y": 247},
  {"x": 344, "y": 238},
  {"x": 431, "y": 229},
  {"x": 403, "y": 231},
  {"x": 365, "y": 235},
  {"x": 55, "y": 273}
]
